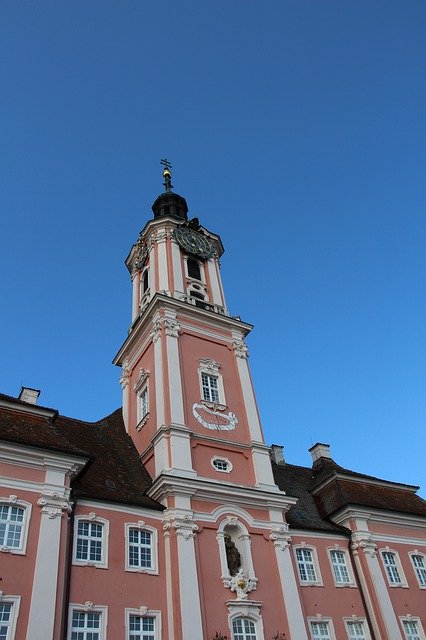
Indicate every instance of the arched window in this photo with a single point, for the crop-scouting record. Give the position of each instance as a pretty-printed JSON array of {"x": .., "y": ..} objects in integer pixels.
[
  {"x": 193, "y": 269},
  {"x": 243, "y": 629}
]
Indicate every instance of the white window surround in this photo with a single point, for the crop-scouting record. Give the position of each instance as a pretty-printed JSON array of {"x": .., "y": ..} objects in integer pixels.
[
  {"x": 92, "y": 518},
  {"x": 314, "y": 560},
  {"x": 86, "y": 608},
  {"x": 418, "y": 562},
  {"x": 141, "y": 526},
  {"x": 338, "y": 568},
  {"x": 211, "y": 368},
  {"x": 143, "y": 612},
  {"x": 392, "y": 568},
  {"x": 141, "y": 388},
  {"x": 13, "y": 501},
  {"x": 412, "y": 623},
  {"x": 355, "y": 621},
  {"x": 226, "y": 462},
  {"x": 324, "y": 623},
  {"x": 248, "y": 610},
  {"x": 15, "y": 601}
]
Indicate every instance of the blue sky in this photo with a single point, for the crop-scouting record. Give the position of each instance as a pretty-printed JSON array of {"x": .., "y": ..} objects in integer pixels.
[{"x": 297, "y": 132}]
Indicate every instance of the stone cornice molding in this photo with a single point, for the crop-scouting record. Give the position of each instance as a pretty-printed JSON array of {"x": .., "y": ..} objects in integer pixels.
[
  {"x": 44, "y": 459},
  {"x": 181, "y": 522},
  {"x": 206, "y": 489},
  {"x": 378, "y": 515}
]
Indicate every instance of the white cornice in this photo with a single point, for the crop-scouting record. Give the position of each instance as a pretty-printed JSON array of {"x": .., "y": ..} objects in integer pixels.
[
  {"x": 34, "y": 458},
  {"x": 188, "y": 312},
  {"x": 378, "y": 515},
  {"x": 365, "y": 480},
  {"x": 323, "y": 535},
  {"x": 30, "y": 409},
  {"x": 206, "y": 489},
  {"x": 143, "y": 512}
]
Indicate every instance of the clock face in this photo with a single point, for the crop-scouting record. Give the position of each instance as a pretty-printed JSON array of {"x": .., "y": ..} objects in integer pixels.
[{"x": 194, "y": 242}]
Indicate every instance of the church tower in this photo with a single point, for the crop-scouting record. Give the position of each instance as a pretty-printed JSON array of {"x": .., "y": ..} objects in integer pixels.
[{"x": 190, "y": 408}]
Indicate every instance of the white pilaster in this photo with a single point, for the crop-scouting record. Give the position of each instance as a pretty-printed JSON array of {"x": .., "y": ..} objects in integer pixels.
[
  {"x": 169, "y": 587},
  {"x": 364, "y": 542},
  {"x": 241, "y": 353},
  {"x": 163, "y": 274},
  {"x": 158, "y": 371},
  {"x": 192, "y": 628},
  {"x": 171, "y": 330},
  {"x": 177, "y": 269},
  {"x": 152, "y": 266},
  {"x": 216, "y": 294},
  {"x": 124, "y": 381},
  {"x": 281, "y": 540},
  {"x": 45, "y": 585},
  {"x": 135, "y": 295}
]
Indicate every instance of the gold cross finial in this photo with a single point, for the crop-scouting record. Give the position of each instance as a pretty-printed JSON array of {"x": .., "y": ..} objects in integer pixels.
[{"x": 167, "y": 174}]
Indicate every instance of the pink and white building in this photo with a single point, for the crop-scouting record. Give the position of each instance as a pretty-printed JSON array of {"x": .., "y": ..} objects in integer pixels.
[{"x": 171, "y": 519}]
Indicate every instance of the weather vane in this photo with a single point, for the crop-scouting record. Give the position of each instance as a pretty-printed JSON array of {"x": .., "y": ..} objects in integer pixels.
[{"x": 167, "y": 174}]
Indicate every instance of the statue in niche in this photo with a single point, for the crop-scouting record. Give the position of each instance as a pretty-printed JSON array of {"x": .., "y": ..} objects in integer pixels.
[{"x": 233, "y": 556}]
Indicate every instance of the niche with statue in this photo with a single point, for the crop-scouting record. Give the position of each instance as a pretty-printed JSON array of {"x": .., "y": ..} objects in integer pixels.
[{"x": 235, "y": 557}]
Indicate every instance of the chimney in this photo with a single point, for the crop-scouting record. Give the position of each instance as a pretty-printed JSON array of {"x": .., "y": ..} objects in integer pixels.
[
  {"x": 277, "y": 454},
  {"x": 29, "y": 395},
  {"x": 320, "y": 450}
]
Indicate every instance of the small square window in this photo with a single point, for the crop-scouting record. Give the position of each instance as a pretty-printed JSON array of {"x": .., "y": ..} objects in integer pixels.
[
  {"x": 87, "y": 624},
  {"x": 356, "y": 631},
  {"x": 143, "y": 624},
  {"x": 243, "y": 629}
]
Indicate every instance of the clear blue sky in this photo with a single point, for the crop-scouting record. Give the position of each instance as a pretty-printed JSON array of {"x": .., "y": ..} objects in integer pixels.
[{"x": 297, "y": 131}]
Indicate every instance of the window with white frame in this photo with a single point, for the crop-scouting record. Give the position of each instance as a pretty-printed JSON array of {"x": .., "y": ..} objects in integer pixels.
[
  {"x": 243, "y": 629},
  {"x": 356, "y": 630},
  {"x": 142, "y": 624},
  {"x": 143, "y": 403},
  {"x": 222, "y": 464},
  {"x": 210, "y": 388},
  {"x": 320, "y": 630},
  {"x": 141, "y": 548},
  {"x": 11, "y": 526},
  {"x": 305, "y": 558},
  {"x": 9, "y": 608},
  {"x": 87, "y": 623},
  {"x": 411, "y": 630},
  {"x": 211, "y": 382},
  {"x": 340, "y": 567},
  {"x": 393, "y": 568},
  {"x": 419, "y": 565},
  {"x": 90, "y": 541}
]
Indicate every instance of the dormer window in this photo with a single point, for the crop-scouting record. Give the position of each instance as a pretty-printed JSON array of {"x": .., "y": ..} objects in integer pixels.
[{"x": 193, "y": 269}]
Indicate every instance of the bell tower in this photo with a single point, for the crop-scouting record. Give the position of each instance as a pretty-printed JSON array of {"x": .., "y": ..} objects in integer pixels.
[{"x": 188, "y": 399}]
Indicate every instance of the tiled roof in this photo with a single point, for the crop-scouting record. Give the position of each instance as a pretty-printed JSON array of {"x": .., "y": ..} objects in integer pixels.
[{"x": 111, "y": 453}]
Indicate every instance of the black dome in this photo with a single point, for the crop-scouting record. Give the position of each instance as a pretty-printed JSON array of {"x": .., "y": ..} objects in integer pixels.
[{"x": 171, "y": 205}]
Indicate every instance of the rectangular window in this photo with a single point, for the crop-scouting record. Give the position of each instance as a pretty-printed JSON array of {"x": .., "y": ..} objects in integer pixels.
[
  {"x": 320, "y": 631},
  {"x": 141, "y": 628},
  {"x": 210, "y": 388},
  {"x": 420, "y": 568},
  {"x": 143, "y": 404},
  {"x": 86, "y": 625},
  {"x": 140, "y": 549},
  {"x": 356, "y": 630},
  {"x": 11, "y": 526},
  {"x": 305, "y": 562},
  {"x": 5, "y": 620},
  {"x": 243, "y": 629},
  {"x": 411, "y": 630},
  {"x": 340, "y": 569},
  {"x": 391, "y": 566},
  {"x": 89, "y": 542}
]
